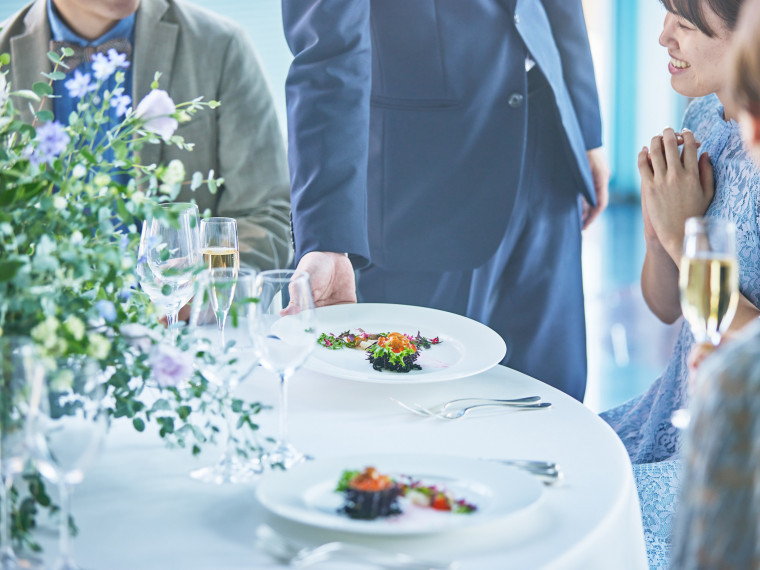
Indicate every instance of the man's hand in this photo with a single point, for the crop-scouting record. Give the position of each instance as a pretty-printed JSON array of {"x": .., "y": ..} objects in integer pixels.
[
  {"x": 332, "y": 277},
  {"x": 600, "y": 173}
]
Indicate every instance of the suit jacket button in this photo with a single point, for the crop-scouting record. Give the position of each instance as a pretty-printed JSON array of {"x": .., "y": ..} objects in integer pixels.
[{"x": 515, "y": 100}]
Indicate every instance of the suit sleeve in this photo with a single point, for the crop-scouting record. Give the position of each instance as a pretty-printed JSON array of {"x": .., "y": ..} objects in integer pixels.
[
  {"x": 327, "y": 92},
  {"x": 569, "y": 29},
  {"x": 251, "y": 154}
]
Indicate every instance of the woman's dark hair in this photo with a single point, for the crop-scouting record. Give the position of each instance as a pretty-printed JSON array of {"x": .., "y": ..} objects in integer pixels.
[{"x": 694, "y": 12}]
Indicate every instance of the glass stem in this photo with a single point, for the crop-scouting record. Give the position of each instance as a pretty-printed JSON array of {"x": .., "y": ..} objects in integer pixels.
[
  {"x": 64, "y": 536},
  {"x": 172, "y": 317},
  {"x": 7, "y": 557},
  {"x": 221, "y": 321},
  {"x": 283, "y": 431},
  {"x": 230, "y": 451}
]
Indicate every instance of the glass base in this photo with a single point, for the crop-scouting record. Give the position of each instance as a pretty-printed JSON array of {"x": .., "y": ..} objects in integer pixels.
[
  {"x": 284, "y": 456},
  {"x": 230, "y": 470}
]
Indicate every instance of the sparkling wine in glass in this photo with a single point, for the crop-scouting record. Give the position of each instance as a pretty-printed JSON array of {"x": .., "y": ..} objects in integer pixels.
[
  {"x": 21, "y": 375},
  {"x": 709, "y": 277},
  {"x": 66, "y": 432},
  {"x": 285, "y": 332},
  {"x": 225, "y": 365},
  {"x": 708, "y": 283},
  {"x": 219, "y": 245},
  {"x": 168, "y": 256}
]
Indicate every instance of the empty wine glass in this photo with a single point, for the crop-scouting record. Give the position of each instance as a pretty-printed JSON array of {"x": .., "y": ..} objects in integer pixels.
[
  {"x": 225, "y": 364},
  {"x": 21, "y": 375},
  {"x": 284, "y": 329},
  {"x": 708, "y": 283},
  {"x": 66, "y": 432},
  {"x": 219, "y": 245},
  {"x": 168, "y": 255}
]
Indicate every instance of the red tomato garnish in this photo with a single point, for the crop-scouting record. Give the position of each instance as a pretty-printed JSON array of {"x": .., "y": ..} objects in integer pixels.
[{"x": 440, "y": 503}]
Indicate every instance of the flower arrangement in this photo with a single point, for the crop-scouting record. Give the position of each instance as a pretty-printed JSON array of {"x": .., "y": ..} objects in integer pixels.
[{"x": 71, "y": 197}]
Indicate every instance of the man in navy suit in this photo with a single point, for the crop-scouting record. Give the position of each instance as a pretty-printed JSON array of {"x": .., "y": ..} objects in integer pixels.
[{"x": 451, "y": 149}]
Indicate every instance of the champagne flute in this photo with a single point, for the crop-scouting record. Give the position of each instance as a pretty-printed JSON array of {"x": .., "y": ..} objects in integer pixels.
[
  {"x": 168, "y": 254},
  {"x": 66, "y": 433},
  {"x": 225, "y": 365},
  {"x": 21, "y": 376},
  {"x": 708, "y": 283},
  {"x": 284, "y": 340},
  {"x": 219, "y": 243}
]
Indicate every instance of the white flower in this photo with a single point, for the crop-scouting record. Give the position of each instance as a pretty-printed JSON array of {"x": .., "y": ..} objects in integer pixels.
[
  {"x": 75, "y": 326},
  {"x": 59, "y": 202},
  {"x": 175, "y": 172},
  {"x": 77, "y": 237},
  {"x": 78, "y": 171},
  {"x": 155, "y": 110},
  {"x": 99, "y": 346}
]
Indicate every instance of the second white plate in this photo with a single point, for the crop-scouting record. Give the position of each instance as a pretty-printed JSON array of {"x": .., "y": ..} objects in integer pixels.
[
  {"x": 306, "y": 494},
  {"x": 467, "y": 347}
]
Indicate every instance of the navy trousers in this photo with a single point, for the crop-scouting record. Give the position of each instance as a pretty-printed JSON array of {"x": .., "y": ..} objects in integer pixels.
[{"x": 531, "y": 290}]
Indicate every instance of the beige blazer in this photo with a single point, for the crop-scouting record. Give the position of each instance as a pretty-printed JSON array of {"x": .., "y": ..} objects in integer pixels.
[{"x": 198, "y": 53}]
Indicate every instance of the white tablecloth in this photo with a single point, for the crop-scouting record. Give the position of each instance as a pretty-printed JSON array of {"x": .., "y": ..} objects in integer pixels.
[{"x": 138, "y": 508}]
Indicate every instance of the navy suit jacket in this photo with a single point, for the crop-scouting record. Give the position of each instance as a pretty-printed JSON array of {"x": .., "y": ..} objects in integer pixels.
[{"x": 407, "y": 122}]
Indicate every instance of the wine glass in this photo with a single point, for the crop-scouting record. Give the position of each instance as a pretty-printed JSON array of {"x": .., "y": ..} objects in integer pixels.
[
  {"x": 168, "y": 255},
  {"x": 219, "y": 245},
  {"x": 21, "y": 376},
  {"x": 66, "y": 432},
  {"x": 284, "y": 328},
  {"x": 225, "y": 365},
  {"x": 708, "y": 283}
]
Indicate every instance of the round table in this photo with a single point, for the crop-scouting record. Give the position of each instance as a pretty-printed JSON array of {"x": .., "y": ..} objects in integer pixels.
[{"x": 138, "y": 508}]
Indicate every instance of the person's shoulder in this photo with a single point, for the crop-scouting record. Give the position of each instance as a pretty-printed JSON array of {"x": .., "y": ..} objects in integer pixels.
[
  {"x": 701, "y": 111},
  {"x": 202, "y": 23},
  {"x": 14, "y": 25}
]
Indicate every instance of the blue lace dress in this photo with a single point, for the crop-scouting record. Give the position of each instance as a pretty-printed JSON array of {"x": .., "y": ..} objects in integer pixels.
[{"x": 643, "y": 423}]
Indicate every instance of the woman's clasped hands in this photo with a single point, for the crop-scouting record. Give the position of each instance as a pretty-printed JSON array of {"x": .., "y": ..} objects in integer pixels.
[{"x": 676, "y": 184}]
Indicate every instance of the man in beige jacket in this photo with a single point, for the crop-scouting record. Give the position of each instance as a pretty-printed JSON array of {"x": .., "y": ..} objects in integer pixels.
[{"x": 198, "y": 54}]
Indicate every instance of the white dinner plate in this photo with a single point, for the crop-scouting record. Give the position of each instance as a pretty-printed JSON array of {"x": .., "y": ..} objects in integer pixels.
[
  {"x": 306, "y": 493},
  {"x": 467, "y": 347}
]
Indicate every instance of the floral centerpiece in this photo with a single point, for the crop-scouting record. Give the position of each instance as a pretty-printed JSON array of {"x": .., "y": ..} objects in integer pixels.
[{"x": 71, "y": 197}]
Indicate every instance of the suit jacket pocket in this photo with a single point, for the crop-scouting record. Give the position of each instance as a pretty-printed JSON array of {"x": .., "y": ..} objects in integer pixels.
[{"x": 408, "y": 62}]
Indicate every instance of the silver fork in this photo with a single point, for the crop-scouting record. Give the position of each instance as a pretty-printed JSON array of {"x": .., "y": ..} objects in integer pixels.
[
  {"x": 421, "y": 410},
  {"x": 458, "y": 413},
  {"x": 284, "y": 550}
]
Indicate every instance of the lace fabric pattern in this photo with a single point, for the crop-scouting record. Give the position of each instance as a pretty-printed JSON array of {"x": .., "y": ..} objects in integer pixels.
[{"x": 644, "y": 423}]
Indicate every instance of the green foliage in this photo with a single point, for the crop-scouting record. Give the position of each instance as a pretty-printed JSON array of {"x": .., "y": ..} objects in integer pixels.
[{"x": 68, "y": 243}]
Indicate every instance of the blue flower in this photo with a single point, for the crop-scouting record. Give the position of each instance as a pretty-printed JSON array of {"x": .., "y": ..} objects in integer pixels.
[
  {"x": 104, "y": 66},
  {"x": 79, "y": 85},
  {"x": 121, "y": 103},
  {"x": 118, "y": 59},
  {"x": 106, "y": 310},
  {"x": 52, "y": 140}
]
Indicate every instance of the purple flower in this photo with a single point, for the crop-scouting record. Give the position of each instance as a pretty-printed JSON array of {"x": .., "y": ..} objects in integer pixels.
[
  {"x": 106, "y": 309},
  {"x": 79, "y": 85},
  {"x": 121, "y": 103},
  {"x": 52, "y": 140},
  {"x": 170, "y": 365},
  {"x": 155, "y": 110}
]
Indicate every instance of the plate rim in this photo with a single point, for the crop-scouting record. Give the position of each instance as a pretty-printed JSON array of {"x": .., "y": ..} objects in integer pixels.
[
  {"x": 372, "y": 376},
  {"x": 300, "y": 514}
]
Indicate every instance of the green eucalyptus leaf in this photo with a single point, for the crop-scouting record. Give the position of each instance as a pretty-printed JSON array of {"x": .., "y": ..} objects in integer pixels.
[
  {"x": 42, "y": 89},
  {"x": 45, "y": 116},
  {"x": 9, "y": 268}
]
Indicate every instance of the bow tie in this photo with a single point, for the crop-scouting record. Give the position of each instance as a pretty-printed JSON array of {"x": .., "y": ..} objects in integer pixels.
[{"x": 85, "y": 53}]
